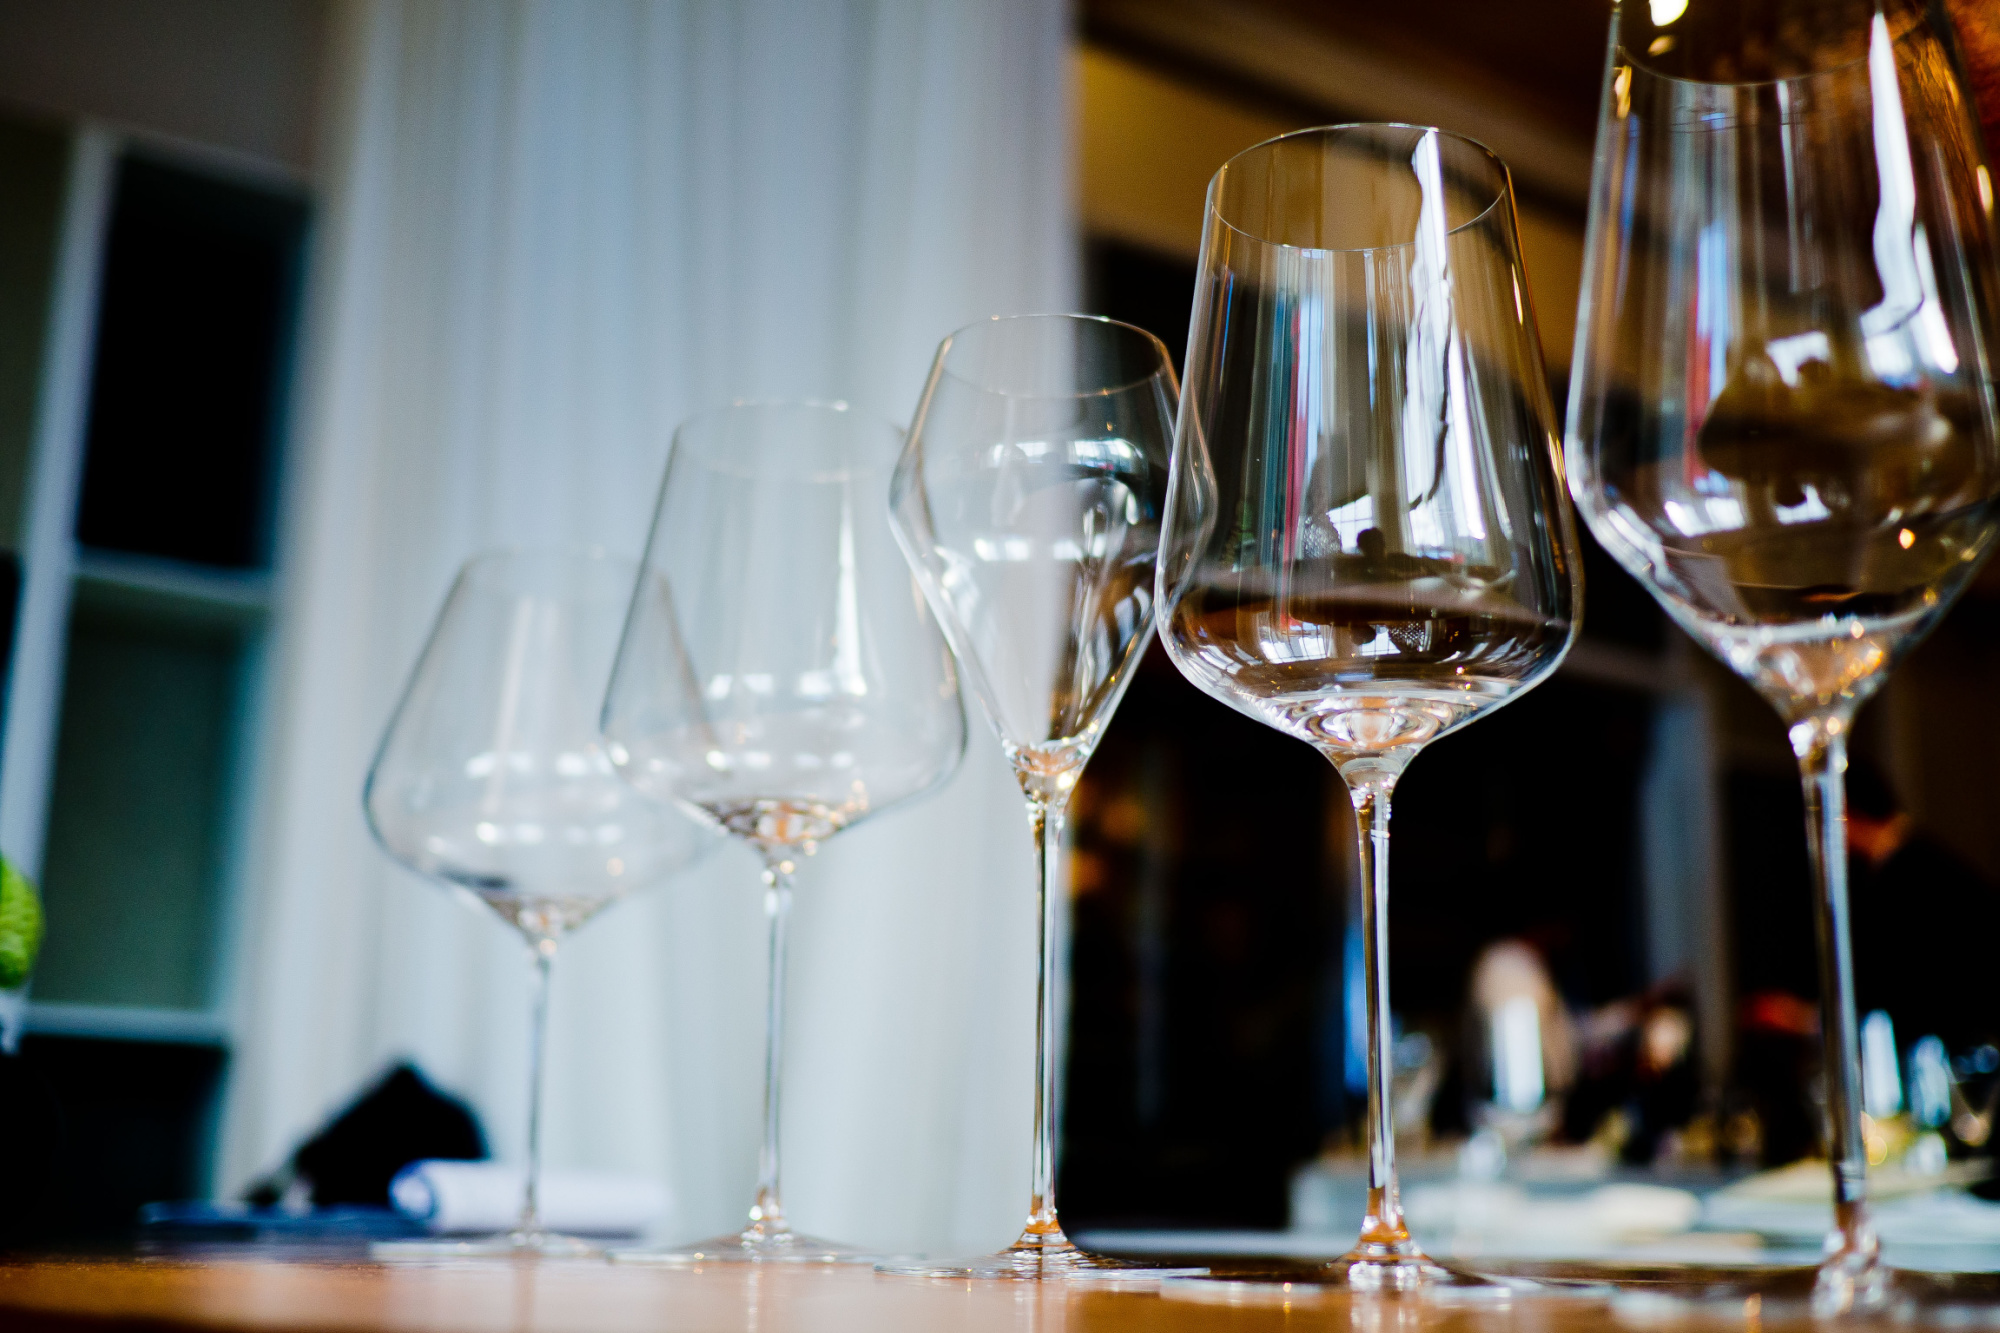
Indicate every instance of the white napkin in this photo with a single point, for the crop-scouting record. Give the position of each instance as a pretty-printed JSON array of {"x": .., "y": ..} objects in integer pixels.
[{"x": 454, "y": 1197}]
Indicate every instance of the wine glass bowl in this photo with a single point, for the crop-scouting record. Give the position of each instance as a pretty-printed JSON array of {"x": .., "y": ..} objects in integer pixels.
[
  {"x": 1027, "y": 501},
  {"x": 1366, "y": 543},
  {"x": 534, "y": 822},
  {"x": 1782, "y": 416},
  {"x": 491, "y": 777},
  {"x": 1037, "y": 547},
  {"x": 773, "y": 576},
  {"x": 1783, "y": 413},
  {"x": 781, "y": 679}
]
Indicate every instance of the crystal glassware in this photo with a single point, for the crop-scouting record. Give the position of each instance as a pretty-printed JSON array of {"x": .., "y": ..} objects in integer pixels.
[
  {"x": 1028, "y": 502},
  {"x": 1366, "y": 544},
  {"x": 781, "y": 679},
  {"x": 1782, "y": 420},
  {"x": 491, "y": 778}
]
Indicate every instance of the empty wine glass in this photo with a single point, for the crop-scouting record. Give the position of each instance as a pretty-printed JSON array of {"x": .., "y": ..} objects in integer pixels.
[
  {"x": 1783, "y": 418},
  {"x": 1028, "y": 503},
  {"x": 781, "y": 679},
  {"x": 1366, "y": 544},
  {"x": 491, "y": 779}
]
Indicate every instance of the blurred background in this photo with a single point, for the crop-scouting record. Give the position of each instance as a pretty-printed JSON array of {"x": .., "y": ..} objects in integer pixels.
[{"x": 303, "y": 301}]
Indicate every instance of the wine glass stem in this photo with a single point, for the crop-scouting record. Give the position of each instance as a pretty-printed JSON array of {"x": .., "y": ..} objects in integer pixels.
[
  {"x": 1047, "y": 820},
  {"x": 1383, "y": 1231},
  {"x": 544, "y": 954},
  {"x": 1820, "y": 742},
  {"x": 767, "y": 1215}
]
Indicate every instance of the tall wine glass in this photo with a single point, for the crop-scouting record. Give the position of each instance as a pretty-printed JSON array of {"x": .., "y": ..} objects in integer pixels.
[
  {"x": 1366, "y": 544},
  {"x": 491, "y": 779},
  {"x": 1782, "y": 420},
  {"x": 1028, "y": 502},
  {"x": 780, "y": 678}
]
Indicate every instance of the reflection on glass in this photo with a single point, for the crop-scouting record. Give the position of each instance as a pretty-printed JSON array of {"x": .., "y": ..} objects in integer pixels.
[
  {"x": 1782, "y": 419},
  {"x": 1028, "y": 503},
  {"x": 780, "y": 679},
  {"x": 491, "y": 778},
  {"x": 1366, "y": 544}
]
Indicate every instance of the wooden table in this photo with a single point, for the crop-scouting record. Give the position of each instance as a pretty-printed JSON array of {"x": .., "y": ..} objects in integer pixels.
[{"x": 238, "y": 1292}]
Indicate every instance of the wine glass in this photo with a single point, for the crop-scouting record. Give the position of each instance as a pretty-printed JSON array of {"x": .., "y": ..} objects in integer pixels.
[
  {"x": 1028, "y": 503},
  {"x": 491, "y": 779},
  {"x": 1782, "y": 420},
  {"x": 781, "y": 679},
  {"x": 1366, "y": 543}
]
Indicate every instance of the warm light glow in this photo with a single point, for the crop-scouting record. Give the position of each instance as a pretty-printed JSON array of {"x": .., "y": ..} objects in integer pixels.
[
  {"x": 1621, "y": 87},
  {"x": 1666, "y": 11},
  {"x": 1906, "y": 539},
  {"x": 1660, "y": 46},
  {"x": 1985, "y": 188}
]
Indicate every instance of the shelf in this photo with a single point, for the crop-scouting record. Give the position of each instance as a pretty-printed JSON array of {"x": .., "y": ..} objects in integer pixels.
[
  {"x": 110, "y": 577},
  {"x": 124, "y": 1023}
]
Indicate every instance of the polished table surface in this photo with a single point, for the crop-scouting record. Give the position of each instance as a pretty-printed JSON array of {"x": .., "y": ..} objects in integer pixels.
[{"x": 251, "y": 1292}]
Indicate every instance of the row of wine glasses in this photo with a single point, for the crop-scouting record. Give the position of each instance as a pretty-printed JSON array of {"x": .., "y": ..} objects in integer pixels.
[
  {"x": 1781, "y": 422},
  {"x": 780, "y": 679},
  {"x": 776, "y": 678}
]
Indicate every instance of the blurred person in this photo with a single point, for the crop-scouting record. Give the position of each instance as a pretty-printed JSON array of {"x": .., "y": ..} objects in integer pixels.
[
  {"x": 1515, "y": 1017},
  {"x": 1924, "y": 922},
  {"x": 1637, "y": 1063},
  {"x": 1777, "y": 1070}
]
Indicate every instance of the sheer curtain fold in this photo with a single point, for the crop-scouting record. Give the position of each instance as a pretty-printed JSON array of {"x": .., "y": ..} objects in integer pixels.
[{"x": 551, "y": 230}]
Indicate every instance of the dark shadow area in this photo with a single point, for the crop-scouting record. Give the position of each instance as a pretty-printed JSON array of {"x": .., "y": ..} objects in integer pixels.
[
  {"x": 96, "y": 1128},
  {"x": 193, "y": 344}
]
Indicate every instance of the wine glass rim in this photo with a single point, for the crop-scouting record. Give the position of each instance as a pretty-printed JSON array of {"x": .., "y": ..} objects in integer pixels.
[
  {"x": 1505, "y": 189},
  {"x": 1166, "y": 361},
  {"x": 1634, "y": 63},
  {"x": 833, "y": 407}
]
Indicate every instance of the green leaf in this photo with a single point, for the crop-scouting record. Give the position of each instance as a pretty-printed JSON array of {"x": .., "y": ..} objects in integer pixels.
[{"x": 20, "y": 926}]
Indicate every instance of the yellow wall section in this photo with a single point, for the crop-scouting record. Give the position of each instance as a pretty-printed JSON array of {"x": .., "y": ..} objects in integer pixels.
[{"x": 1147, "y": 145}]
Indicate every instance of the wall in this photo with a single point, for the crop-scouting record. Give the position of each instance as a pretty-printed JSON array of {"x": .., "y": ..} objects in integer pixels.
[{"x": 241, "y": 75}]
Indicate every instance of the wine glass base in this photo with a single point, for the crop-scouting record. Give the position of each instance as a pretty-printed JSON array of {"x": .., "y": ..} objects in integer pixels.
[
  {"x": 752, "y": 1247},
  {"x": 1036, "y": 1258},
  {"x": 1408, "y": 1271},
  {"x": 1828, "y": 1288},
  {"x": 506, "y": 1245}
]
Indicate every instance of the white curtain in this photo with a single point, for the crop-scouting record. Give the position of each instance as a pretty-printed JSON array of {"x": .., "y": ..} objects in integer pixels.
[{"x": 550, "y": 232}]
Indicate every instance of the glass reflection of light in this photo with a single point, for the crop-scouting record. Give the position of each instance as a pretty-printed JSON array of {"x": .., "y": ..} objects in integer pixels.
[
  {"x": 1809, "y": 510},
  {"x": 1909, "y": 311},
  {"x": 1381, "y": 645},
  {"x": 1003, "y": 550},
  {"x": 1788, "y": 354},
  {"x": 1352, "y": 519},
  {"x": 1718, "y": 513},
  {"x": 847, "y": 614}
]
